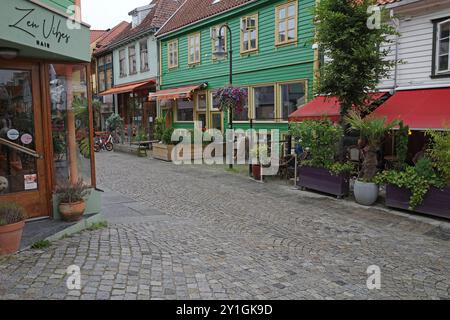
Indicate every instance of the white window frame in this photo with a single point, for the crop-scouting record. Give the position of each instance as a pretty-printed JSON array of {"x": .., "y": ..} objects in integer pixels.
[
  {"x": 173, "y": 52},
  {"x": 144, "y": 60},
  {"x": 193, "y": 44},
  {"x": 438, "y": 55}
]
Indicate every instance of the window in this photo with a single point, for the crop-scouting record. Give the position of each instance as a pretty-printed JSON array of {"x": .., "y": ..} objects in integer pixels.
[
  {"x": 201, "y": 102},
  {"x": 194, "y": 48},
  {"x": 101, "y": 81},
  {"x": 249, "y": 33},
  {"x": 215, "y": 39},
  {"x": 143, "y": 47},
  {"x": 286, "y": 23},
  {"x": 264, "y": 103},
  {"x": 185, "y": 110},
  {"x": 122, "y": 63},
  {"x": 214, "y": 101},
  {"x": 109, "y": 78},
  {"x": 173, "y": 54},
  {"x": 242, "y": 116},
  {"x": 443, "y": 47},
  {"x": 292, "y": 95},
  {"x": 132, "y": 59}
]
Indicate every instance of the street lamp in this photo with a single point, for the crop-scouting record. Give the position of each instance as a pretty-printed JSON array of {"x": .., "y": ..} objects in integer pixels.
[{"x": 221, "y": 53}]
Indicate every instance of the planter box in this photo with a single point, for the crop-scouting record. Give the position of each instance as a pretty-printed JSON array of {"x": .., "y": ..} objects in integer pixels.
[
  {"x": 322, "y": 180},
  {"x": 162, "y": 151},
  {"x": 436, "y": 202},
  {"x": 256, "y": 172}
]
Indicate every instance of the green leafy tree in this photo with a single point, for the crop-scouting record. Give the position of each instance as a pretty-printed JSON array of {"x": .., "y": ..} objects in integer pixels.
[{"x": 356, "y": 61}]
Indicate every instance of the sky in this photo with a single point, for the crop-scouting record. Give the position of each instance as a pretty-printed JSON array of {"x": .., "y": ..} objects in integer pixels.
[{"x": 105, "y": 14}]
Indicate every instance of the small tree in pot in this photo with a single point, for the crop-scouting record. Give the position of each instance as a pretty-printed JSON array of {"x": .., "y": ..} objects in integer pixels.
[
  {"x": 372, "y": 131},
  {"x": 72, "y": 200},
  {"x": 260, "y": 157},
  {"x": 12, "y": 221}
]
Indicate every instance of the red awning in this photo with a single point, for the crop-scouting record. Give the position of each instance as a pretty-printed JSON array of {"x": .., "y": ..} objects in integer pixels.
[
  {"x": 129, "y": 87},
  {"x": 419, "y": 109},
  {"x": 175, "y": 93},
  {"x": 325, "y": 107}
]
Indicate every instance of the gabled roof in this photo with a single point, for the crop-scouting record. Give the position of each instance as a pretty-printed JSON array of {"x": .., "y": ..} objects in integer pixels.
[
  {"x": 383, "y": 2},
  {"x": 95, "y": 34},
  {"x": 108, "y": 37},
  {"x": 158, "y": 15},
  {"x": 192, "y": 11}
]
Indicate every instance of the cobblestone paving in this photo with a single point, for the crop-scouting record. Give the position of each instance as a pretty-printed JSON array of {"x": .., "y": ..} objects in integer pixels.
[{"x": 197, "y": 233}]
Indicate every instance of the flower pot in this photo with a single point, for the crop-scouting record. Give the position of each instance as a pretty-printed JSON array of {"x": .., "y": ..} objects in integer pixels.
[
  {"x": 435, "y": 203},
  {"x": 321, "y": 179},
  {"x": 366, "y": 193},
  {"x": 10, "y": 237},
  {"x": 256, "y": 172},
  {"x": 72, "y": 212}
]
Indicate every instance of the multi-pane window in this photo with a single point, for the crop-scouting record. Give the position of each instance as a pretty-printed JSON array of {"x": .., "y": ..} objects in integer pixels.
[
  {"x": 292, "y": 96},
  {"x": 264, "y": 103},
  {"x": 185, "y": 110},
  {"x": 172, "y": 51},
  {"x": 249, "y": 33},
  {"x": 194, "y": 48},
  {"x": 122, "y": 63},
  {"x": 243, "y": 115},
  {"x": 215, "y": 39},
  {"x": 143, "y": 47},
  {"x": 105, "y": 74},
  {"x": 132, "y": 59},
  {"x": 443, "y": 47},
  {"x": 201, "y": 101},
  {"x": 286, "y": 23}
]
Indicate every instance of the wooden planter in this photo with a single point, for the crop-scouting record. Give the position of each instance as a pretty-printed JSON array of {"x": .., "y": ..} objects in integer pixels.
[
  {"x": 435, "y": 203},
  {"x": 320, "y": 179},
  {"x": 162, "y": 151},
  {"x": 10, "y": 237}
]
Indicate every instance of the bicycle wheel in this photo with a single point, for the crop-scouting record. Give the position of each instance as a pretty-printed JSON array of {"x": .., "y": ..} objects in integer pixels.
[
  {"x": 97, "y": 147},
  {"x": 109, "y": 146}
]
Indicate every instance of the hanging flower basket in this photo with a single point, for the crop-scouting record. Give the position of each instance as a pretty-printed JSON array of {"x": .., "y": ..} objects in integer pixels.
[{"x": 231, "y": 98}]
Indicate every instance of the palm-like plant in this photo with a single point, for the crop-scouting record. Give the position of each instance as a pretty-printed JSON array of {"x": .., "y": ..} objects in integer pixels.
[{"x": 373, "y": 130}]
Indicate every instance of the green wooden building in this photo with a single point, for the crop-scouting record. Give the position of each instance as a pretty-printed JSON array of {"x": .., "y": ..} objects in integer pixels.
[{"x": 272, "y": 55}]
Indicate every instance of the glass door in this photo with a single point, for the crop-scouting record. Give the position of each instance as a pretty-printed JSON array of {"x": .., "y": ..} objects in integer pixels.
[{"x": 22, "y": 166}]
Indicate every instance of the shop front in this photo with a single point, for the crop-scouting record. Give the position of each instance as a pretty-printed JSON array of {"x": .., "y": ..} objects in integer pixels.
[{"x": 45, "y": 106}]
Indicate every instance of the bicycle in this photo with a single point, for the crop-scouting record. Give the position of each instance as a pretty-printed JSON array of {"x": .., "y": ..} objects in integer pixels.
[{"x": 104, "y": 144}]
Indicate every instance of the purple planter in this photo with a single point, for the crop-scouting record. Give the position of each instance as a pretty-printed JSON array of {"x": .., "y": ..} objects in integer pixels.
[
  {"x": 322, "y": 180},
  {"x": 436, "y": 201}
]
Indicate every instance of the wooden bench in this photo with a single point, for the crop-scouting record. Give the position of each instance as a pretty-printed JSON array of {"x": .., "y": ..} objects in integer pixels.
[{"x": 143, "y": 146}]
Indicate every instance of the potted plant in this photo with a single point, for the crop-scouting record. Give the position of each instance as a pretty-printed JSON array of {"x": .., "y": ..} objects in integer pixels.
[
  {"x": 372, "y": 131},
  {"x": 163, "y": 150},
  {"x": 319, "y": 170},
  {"x": 259, "y": 154},
  {"x": 424, "y": 188},
  {"x": 12, "y": 221},
  {"x": 72, "y": 200}
]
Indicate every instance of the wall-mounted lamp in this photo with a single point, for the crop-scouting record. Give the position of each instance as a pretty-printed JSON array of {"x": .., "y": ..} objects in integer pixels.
[
  {"x": 315, "y": 46},
  {"x": 8, "y": 53}
]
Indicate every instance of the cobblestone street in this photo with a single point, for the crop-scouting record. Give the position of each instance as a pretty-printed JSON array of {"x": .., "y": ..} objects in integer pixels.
[{"x": 187, "y": 232}]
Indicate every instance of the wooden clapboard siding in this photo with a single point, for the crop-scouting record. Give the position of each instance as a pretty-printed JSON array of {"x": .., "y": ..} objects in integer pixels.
[
  {"x": 61, "y": 5},
  {"x": 416, "y": 50},
  {"x": 269, "y": 64}
]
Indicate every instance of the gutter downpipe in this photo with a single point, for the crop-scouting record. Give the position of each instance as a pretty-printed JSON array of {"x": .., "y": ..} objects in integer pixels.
[{"x": 396, "y": 22}]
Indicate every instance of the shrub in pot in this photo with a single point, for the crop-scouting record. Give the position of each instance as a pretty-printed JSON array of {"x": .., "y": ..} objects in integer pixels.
[
  {"x": 372, "y": 131},
  {"x": 320, "y": 170},
  {"x": 259, "y": 157},
  {"x": 424, "y": 188},
  {"x": 12, "y": 221},
  {"x": 71, "y": 196}
]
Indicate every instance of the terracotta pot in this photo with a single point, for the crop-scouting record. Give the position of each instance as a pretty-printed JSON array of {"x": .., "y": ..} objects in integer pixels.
[
  {"x": 72, "y": 212},
  {"x": 10, "y": 237}
]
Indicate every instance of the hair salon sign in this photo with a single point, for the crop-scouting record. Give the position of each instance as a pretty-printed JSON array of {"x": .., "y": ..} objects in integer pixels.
[{"x": 26, "y": 23}]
